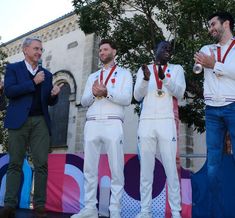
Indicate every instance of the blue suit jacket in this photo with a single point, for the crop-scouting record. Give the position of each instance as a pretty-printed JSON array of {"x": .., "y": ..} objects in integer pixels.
[{"x": 19, "y": 89}]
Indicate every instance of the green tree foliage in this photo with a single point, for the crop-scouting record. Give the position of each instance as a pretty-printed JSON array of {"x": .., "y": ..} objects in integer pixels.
[
  {"x": 136, "y": 26},
  {"x": 3, "y": 57},
  {"x": 3, "y": 132}
]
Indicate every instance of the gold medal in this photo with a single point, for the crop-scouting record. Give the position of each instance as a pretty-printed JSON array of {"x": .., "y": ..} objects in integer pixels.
[{"x": 160, "y": 93}]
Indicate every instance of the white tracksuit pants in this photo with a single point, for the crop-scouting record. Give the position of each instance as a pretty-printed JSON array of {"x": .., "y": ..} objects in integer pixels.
[
  {"x": 162, "y": 133},
  {"x": 107, "y": 133}
]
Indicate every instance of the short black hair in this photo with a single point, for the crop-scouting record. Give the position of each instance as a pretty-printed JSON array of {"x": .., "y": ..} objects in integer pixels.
[
  {"x": 108, "y": 41},
  {"x": 222, "y": 17}
]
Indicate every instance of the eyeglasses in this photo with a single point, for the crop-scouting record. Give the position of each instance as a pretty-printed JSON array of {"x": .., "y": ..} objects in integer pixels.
[{"x": 38, "y": 49}]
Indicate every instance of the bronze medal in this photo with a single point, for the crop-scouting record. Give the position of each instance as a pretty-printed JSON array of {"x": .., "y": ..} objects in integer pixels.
[{"x": 160, "y": 93}]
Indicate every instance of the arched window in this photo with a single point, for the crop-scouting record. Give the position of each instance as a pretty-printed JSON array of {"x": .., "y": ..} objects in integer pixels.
[{"x": 59, "y": 118}]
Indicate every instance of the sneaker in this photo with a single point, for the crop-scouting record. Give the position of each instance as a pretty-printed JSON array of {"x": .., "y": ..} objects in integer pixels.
[
  {"x": 176, "y": 214},
  {"x": 86, "y": 213},
  {"x": 144, "y": 215},
  {"x": 115, "y": 214}
]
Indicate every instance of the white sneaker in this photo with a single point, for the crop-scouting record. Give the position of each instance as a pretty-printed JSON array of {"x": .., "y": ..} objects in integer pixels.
[
  {"x": 144, "y": 215},
  {"x": 86, "y": 213},
  {"x": 115, "y": 214},
  {"x": 176, "y": 214}
]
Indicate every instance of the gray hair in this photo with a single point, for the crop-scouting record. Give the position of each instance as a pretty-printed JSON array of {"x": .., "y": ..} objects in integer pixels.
[{"x": 29, "y": 40}]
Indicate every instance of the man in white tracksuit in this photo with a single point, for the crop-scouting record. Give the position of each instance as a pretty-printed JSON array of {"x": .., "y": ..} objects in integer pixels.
[
  {"x": 106, "y": 93},
  {"x": 157, "y": 86}
]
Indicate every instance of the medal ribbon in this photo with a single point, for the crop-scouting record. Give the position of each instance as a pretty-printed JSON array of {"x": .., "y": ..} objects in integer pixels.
[
  {"x": 109, "y": 75},
  {"x": 226, "y": 53},
  {"x": 158, "y": 81}
]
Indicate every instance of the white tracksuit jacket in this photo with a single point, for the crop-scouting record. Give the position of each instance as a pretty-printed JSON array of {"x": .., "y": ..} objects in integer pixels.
[
  {"x": 159, "y": 107},
  {"x": 219, "y": 83},
  {"x": 119, "y": 95}
]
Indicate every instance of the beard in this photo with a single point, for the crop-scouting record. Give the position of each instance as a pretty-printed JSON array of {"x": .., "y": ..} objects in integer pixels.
[
  {"x": 217, "y": 37},
  {"x": 107, "y": 59}
]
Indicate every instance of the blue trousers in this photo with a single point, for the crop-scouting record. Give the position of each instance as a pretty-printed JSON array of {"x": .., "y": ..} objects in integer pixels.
[{"x": 219, "y": 120}]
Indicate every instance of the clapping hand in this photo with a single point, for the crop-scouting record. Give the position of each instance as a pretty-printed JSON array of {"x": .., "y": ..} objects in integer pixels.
[
  {"x": 146, "y": 72},
  {"x": 161, "y": 74},
  {"x": 99, "y": 90},
  {"x": 56, "y": 89},
  {"x": 205, "y": 60}
]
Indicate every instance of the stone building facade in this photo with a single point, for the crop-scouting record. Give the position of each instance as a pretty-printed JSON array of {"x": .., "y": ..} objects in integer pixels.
[{"x": 71, "y": 56}]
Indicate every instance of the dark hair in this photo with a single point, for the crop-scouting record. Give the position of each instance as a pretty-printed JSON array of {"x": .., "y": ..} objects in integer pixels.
[
  {"x": 108, "y": 41},
  {"x": 222, "y": 17}
]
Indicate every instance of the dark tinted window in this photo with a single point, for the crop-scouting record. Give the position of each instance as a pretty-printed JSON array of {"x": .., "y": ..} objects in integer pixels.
[{"x": 59, "y": 118}]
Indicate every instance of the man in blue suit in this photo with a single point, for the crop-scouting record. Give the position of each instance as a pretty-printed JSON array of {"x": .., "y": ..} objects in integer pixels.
[{"x": 29, "y": 89}]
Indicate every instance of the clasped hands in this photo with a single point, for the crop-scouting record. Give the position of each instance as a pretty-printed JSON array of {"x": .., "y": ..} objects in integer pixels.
[{"x": 99, "y": 90}]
